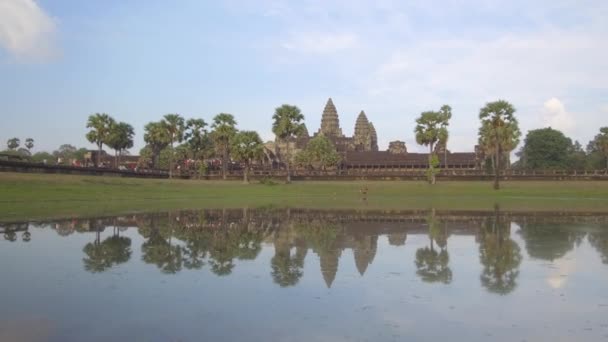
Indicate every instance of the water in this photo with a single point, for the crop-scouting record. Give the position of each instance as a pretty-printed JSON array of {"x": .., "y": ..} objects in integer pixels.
[{"x": 302, "y": 275}]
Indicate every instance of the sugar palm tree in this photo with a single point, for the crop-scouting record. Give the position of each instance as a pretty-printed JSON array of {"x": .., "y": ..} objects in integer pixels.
[
  {"x": 157, "y": 138},
  {"x": 120, "y": 139},
  {"x": 431, "y": 128},
  {"x": 499, "y": 132},
  {"x": 287, "y": 124},
  {"x": 100, "y": 125},
  {"x": 174, "y": 126},
  {"x": 224, "y": 129},
  {"x": 29, "y": 144},
  {"x": 246, "y": 147}
]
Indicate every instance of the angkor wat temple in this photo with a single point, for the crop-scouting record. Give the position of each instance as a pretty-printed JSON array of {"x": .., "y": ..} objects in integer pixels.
[{"x": 361, "y": 150}]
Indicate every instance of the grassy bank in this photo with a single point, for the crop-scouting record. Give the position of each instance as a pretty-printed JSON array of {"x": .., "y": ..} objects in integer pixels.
[{"x": 38, "y": 196}]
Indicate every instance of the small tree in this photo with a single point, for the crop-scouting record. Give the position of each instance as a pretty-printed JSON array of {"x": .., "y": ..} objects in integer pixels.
[
  {"x": 246, "y": 147},
  {"x": 431, "y": 128},
  {"x": 224, "y": 129},
  {"x": 174, "y": 126},
  {"x": 13, "y": 143},
  {"x": 319, "y": 152},
  {"x": 29, "y": 144},
  {"x": 100, "y": 125},
  {"x": 499, "y": 132},
  {"x": 287, "y": 124},
  {"x": 120, "y": 139}
]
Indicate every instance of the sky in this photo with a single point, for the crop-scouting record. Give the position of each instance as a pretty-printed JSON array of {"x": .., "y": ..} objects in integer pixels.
[{"x": 63, "y": 60}]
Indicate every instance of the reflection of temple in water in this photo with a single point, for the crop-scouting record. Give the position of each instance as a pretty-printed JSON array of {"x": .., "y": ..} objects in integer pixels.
[{"x": 219, "y": 239}]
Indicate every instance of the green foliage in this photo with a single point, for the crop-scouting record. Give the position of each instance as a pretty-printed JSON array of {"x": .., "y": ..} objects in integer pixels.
[
  {"x": 224, "y": 129},
  {"x": 319, "y": 153},
  {"x": 120, "y": 137},
  {"x": 100, "y": 128},
  {"x": 433, "y": 169},
  {"x": 44, "y": 157},
  {"x": 29, "y": 143},
  {"x": 246, "y": 147},
  {"x": 547, "y": 148},
  {"x": 13, "y": 143},
  {"x": 157, "y": 138},
  {"x": 432, "y": 128},
  {"x": 174, "y": 125},
  {"x": 599, "y": 146},
  {"x": 267, "y": 181},
  {"x": 287, "y": 123},
  {"x": 499, "y": 132},
  {"x": 197, "y": 138}
]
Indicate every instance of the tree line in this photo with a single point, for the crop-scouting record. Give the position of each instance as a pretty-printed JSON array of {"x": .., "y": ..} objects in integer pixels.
[
  {"x": 175, "y": 138},
  {"x": 499, "y": 135}
]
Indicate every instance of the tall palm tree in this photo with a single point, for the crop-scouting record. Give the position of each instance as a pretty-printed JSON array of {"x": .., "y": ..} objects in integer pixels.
[
  {"x": 29, "y": 144},
  {"x": 120, "y": 139},
  {"x": 224, "y": 129},
  {"x": 287, "y": 124},
  {"x": 246, "y": 147},
  {"x": 499, "y": 132},
  {"x": 157, "y": 138},
  {"x": 198, "y": 141},
  {"x": 174, "y": 126},
  {"x": 100, "y": 125}
]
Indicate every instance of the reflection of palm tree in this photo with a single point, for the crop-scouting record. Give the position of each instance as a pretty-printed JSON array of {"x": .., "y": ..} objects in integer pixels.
[
  {"x": 433, "y": 266},
  {"x": 96, "y": 260},
  {"x": 499, "y": 255},
  {"x": 10, "y": 235},
  {"x": 599, "y": 240},
  {"x": 286, "y": 270},
  {"x": 158, "y": 251},
  {"x": 103, "y": 255}
]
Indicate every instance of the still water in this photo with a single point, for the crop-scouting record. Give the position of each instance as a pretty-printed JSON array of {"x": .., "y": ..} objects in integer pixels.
[{"x": 304, "y": 275}]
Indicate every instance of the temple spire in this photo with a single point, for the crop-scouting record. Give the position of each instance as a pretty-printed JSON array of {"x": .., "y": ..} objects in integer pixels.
[{"x": 330, "y": 123}]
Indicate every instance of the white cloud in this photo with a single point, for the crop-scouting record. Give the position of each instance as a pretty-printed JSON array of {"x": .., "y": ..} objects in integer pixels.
[
  {"x": 321, "y": 42},
  {"x": 26, "y": 31},
  {"x": 554, "y": 115}
]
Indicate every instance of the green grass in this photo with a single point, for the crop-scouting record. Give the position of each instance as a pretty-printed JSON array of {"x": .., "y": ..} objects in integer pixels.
[{"x": 40, "y": 196}]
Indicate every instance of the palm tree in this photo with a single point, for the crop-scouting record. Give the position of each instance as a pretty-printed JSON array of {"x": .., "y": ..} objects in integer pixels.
[
  {"x": 13, "y": 143},
  {"x": 499, "y": 255},
  {"x": 431, "y": 128},
  {"x": 120, "y": 139},
  {"x": 287, "y": 124},
  {"x": 29, "y": 144},
  {"x": 174, "y": 126},
  {"x": 247, "y": 146},
  {"x": 100, "y": 125},
  {"x": 224, "y": 129},
  {"x": 156, "y": 137},
  {"x": 499, "y": 132},
  {"x": 433, "y": 266},
  {"x": 198, "y": 141}
]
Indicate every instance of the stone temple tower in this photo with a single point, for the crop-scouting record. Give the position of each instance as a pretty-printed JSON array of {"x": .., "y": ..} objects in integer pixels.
[
  {"x": 330, "y": 123},
  {"x": 374, "y": 136},
  {"x": 362, "y": 137},
  {"x": 365, "y": 138}
]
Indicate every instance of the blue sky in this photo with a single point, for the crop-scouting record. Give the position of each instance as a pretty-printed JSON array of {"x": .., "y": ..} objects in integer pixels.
[{"x": 61, "y": 61}]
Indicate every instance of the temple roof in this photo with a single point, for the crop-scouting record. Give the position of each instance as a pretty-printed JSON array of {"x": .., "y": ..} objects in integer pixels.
[{"x": 418, "y": 159}]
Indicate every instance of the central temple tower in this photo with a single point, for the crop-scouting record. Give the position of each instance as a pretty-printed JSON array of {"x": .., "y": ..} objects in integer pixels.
[{"x": 330, "y": 123}]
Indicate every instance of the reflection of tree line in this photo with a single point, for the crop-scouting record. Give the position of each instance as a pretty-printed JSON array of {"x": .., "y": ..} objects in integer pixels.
[{"x": 217, "y": 239}]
